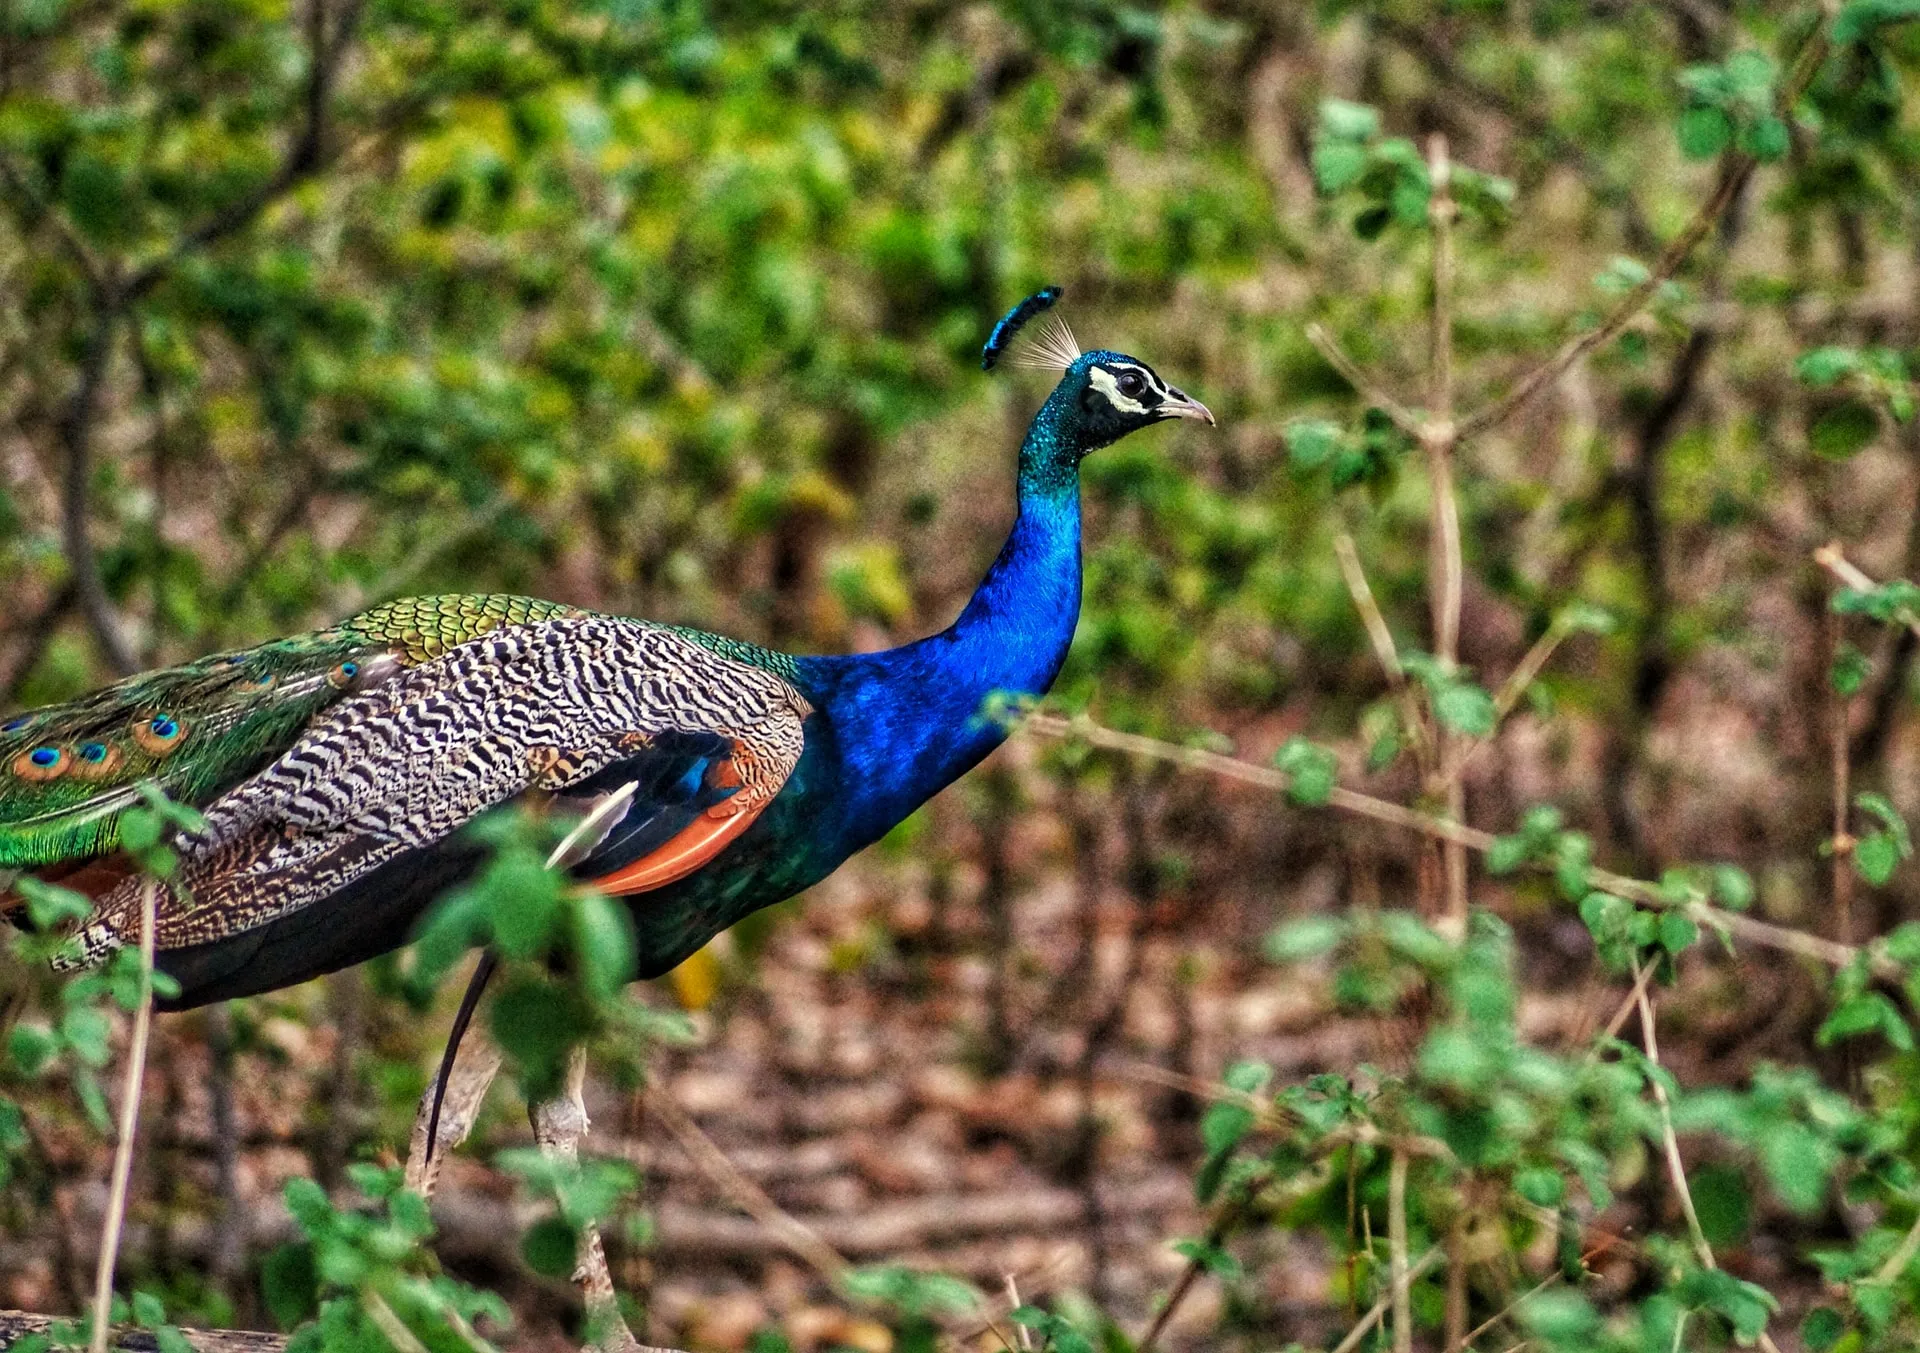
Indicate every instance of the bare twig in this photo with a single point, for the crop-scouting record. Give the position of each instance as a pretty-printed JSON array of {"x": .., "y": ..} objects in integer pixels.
[
  {"x": 1676, "y": 1169},
  {"x": 1733, "y": 176},
  {"x": 1733, "y": 923},
  {"x": 388, "y": 1323},
  {"x": 1625, "y": 1011},
  {"x": 75, "y": 431},
  {"x": 1397, "y": 1253},
  {"x": 1379, "y": 1308},
  {"x": 1368, "y": 389},
  {"x": 305, "y": 157},
  {"x": 1834, "y": 560},
  {"x": 1383, "y": 646},
  {"x": 1225, "y": 1220},
  {"x": 1013, "y": 1304},
  {"x": 748, "y": 1196},
  {"x": 1456, "y": 1307},
  {"x": 1438, "y": 436},
  {"x": 129, "y": 1121},
  {"x": 1508, "y": 696},
  {"x": 1839, "y": 707},
  {"x": 1902, "y": 1255}
]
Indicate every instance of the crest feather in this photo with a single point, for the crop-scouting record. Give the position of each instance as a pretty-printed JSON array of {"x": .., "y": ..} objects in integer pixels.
[
  {"x": 1050, "y": 346},
  {"x": 1010, "y": 324}
]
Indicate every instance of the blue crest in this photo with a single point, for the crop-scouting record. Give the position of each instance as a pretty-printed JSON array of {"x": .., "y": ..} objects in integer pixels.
[{"x": 1011, "y": 323}]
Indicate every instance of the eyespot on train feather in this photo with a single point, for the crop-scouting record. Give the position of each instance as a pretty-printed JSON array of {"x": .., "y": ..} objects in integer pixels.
[{"x": 1011, "y": 323}]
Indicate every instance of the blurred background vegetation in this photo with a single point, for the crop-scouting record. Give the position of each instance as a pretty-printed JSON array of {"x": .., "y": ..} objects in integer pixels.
[{"x": 672, "y": 308}]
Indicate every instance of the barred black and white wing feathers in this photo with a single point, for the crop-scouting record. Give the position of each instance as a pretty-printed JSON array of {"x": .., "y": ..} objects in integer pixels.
[{"x": 558, "y": 705}]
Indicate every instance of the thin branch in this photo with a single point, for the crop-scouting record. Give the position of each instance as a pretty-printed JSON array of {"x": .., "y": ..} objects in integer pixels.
[
  {"x": 387, "y": 1322},
  {"x": 1364, "y": 385},
  {"x": 1224, "y": 1222},
  {"x": 1733, "y": 177},
  {"x": 1902, "y": 1255},
  {"x": 744, "y": 1193},
  {"x": 49, "y": 213},
  {"x": 1839, "y": 707},
  {"x": 1508, "y": 696},
  {"x": 1834, "y": 560},
  {"x": 1625, "y": 1011},
  {"x": 74, "y": 429},
  {"x": 1438, "y": 436},
  {"x": 1379, "y": 1308},
  {"x": 1676, "y": 1169},
  {"x": 1383, "y": 646},
  {"x": 1397, "y": 1253},
  {"x": 1013, "y": 1304},
  {"x": 1736, "y": 924},
  {"x": 129, "y": 1121},
  {"x": 307, "y": 156}
]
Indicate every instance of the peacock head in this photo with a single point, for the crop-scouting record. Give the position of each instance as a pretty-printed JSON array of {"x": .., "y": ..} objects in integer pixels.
[{"x": 1102, "y": 395}]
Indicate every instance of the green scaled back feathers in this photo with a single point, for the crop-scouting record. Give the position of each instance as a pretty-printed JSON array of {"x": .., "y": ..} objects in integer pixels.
[{"x": 68, "y": 772}]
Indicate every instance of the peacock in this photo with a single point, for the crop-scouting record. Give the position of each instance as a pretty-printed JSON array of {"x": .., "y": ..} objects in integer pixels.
[{"x": 336, "y": 769}]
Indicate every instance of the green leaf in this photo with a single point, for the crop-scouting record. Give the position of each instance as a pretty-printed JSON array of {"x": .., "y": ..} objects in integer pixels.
[
  {"x": 1732, "y": 887},
  {"x": 1876, "y": 856},
  {"x": 1723, "y": 1203},
  {"x": 1313, "y": 768},
  {"x": 290, "y": 1284},
  {"x": 537, "y": 1023},
  {"x": 1508, "y": 853},
  {"x": 1347, "y": 121},
  {"x": 1338, "y": 165},
  {"x": 1844, "y": 430},
  {"x": 1821, "y": 1329},
  {"x": 1541, "y": 1186},
  {"x": 1765, "y": 139},
  {"x": 604, "y": 942},
  {"x": 1304, "y": 938},
  {"x": 1796, "y": 1162},
  {"x": 1704, "y": 132},
  {"x": 1211, "y": 1258},
  {"x": 1465, "y": 708},
  {"x": 1826, "y": 366},
  {"x": 1866, "y": 1013},
  {"x": 1677, "y": 932},
  {"x": 1849, "y": 671},
  {"x": 148, "y": 1310},
  {"x": 1881, "y": 807},
  {"x": 1249, "y": 1078},
  {"x": 1559, "y": 1317},
  {"x": 1744, "y": 1305},
  {"x": 1860, "y": 19},
  {"x": 1312, "y": 442},
  {"x": 549, "y": 1247},
  {"x": 32, "y": 1049}
]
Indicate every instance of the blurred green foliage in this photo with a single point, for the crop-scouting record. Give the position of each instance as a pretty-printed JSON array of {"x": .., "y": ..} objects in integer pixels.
[{"x": 669, "y": 307}]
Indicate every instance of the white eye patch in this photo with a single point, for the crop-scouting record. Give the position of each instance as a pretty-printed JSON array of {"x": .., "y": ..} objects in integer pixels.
[{"x": 1108, "y": 384}]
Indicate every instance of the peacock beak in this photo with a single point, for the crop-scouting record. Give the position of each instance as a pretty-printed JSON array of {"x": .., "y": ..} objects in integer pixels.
[{"x": 1178, "y": 405}]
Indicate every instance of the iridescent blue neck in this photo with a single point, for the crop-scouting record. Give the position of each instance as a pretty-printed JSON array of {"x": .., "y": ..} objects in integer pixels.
[{"x": 909, "y": 721}]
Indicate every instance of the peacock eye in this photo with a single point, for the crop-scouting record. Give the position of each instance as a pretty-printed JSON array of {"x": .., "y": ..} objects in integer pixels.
[{"x": 1131, "y": 383}]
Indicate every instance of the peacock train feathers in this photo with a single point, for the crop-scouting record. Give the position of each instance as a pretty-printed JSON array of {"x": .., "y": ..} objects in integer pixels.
[{"x": 67, "y": 772}]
